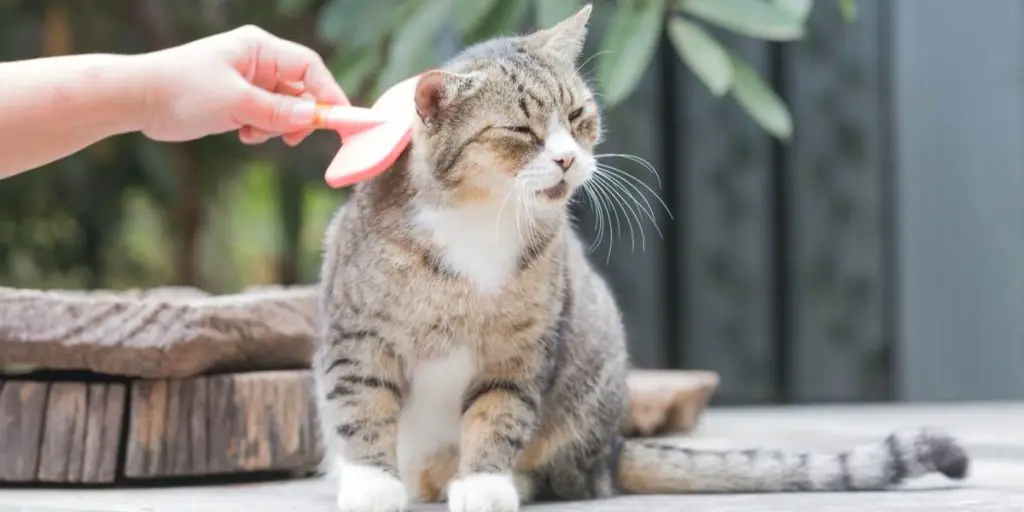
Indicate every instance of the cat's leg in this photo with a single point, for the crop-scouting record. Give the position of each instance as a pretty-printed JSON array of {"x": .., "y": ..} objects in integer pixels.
[
  {"x": 498, "y": 420},
  {"x": 359, "y": 380}
]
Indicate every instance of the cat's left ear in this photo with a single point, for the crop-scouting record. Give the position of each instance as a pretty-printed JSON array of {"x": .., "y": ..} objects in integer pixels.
[
  {"x": 438, "y": 90},
  {"x": 564, "y": 41}
]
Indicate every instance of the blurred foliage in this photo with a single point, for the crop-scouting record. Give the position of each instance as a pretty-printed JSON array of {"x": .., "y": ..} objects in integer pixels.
[{"x": 128, "y": 212}]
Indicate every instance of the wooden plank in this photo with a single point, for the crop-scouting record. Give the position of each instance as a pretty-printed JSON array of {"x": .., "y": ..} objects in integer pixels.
[
  {"x": 726, "y": 224},
  {"x": 199, "y": 427},
  {"x": 63, "y": 446},
  {"x": 230, "y": 423},
  {"x": 22, "y": 409},
  {"x": 959, "y": 121},
  {"x": 147, "y": 428},
  {"x": 221, "y": 413},
  {"x": 106, "y": 408},
  {"x": 838, "y": 265}
]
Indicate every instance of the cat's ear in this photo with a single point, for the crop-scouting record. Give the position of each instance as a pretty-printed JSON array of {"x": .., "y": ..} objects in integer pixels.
[
  {"x": 437, "y": 90},
  {"x": 564, "y": 41}
]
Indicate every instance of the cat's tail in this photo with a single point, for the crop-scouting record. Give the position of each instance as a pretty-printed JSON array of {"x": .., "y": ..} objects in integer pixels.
[{"x": 648, "y": 466}]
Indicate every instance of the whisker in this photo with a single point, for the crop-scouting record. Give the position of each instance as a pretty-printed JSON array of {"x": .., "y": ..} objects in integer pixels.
[
  {"x": 592, "y": 57},
  {"x": 497, "y": 222},
  {"x": 657, "y": 196},
  {"x": 619, "y": 181},
  {"x": 531, "y": 224},
  {"x": 635, "y": 159},
  {"x": 594, "y": 207},
  {"x": 599, "y": 188},
  {"x": 617, "y": 190},
  {"x": 519, "y": 202}
]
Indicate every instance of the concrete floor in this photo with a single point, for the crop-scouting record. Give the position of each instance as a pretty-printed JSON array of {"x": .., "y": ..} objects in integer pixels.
[{"x": 993, "y": 434}]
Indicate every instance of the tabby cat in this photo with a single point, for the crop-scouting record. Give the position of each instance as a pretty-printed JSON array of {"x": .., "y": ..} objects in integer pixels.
[{"x": 467, "y": 350}]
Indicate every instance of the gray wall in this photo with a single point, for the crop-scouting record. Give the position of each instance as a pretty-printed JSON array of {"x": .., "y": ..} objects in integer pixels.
[{"x": 959, "y": 126}]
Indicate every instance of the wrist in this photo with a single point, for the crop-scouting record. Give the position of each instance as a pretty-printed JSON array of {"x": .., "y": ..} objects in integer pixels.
[
  {"x": 106, "y": 91},
  {"x": 140, "y": 89}
]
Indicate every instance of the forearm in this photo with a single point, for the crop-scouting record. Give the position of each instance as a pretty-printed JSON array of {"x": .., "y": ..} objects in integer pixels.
[{"x": 52, "y": 107}]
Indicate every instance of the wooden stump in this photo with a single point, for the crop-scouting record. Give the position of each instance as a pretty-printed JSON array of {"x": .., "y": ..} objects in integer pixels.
[
  {"x": 233, "y": 423},
  {"x": 667, "y": 402},
  {"x": 71, "y": 432},
  {"x": 61, "y": 432}
]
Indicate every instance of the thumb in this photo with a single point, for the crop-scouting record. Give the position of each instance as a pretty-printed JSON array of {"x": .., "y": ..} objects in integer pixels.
[{"x": 275, "y": 113}]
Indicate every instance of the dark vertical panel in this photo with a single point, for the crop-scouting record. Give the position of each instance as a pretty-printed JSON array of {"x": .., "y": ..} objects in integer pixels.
[
  {"x": 836, "y": 253},
  {"x": 727, "y": 244},
  {"x": 959, "y": 101},
  {"x": 635, "y": 273}
]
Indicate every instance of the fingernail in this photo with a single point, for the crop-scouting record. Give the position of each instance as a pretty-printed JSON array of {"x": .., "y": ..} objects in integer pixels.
[{"x": 303, "y": 113}]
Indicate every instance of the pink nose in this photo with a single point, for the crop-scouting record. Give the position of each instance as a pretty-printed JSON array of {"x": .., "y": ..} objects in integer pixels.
[{"x": 565, "y": 162}]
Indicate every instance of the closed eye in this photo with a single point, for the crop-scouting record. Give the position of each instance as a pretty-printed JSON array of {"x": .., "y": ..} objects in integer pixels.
[
  {"x": 525, "y": 130},
  {"x": 575, "y": 114}
]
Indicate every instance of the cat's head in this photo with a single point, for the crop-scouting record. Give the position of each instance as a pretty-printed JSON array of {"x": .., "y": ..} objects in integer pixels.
[{"x": 510, "y": 117}]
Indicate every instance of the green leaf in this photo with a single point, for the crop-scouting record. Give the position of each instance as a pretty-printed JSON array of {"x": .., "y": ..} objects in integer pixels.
[
  {"x": 549, "y": 12},
  {"x": 413, "y": 48},
  {"x": 798, "y": 8},
  {"x": 848, "y": 8},
  {"x": 627, "y": 48},
  {"x": 754, "y": 18},
  {"x": 291, "y": 8},
  {"x": 353, "y": 68},
  {"x": 355, "y": 23},
  {"x": 702, "y": 53},
  {"x": 505, "y": 18},
  {"x": 760, "y": 101},
  {"x": 470, "y": 13}
]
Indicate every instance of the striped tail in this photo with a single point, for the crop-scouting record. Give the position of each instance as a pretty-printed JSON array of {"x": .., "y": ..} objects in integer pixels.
[{"x": 658, "y": 467}]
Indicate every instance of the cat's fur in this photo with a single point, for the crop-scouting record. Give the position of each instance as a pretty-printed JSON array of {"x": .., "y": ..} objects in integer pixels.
[{"x": 469, "y": 352}]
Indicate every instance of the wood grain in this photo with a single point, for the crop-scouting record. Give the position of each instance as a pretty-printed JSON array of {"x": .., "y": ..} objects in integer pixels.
[
  {"x": 231, "y": 423},
  {"x": 63, "y": 447},
  {"x": 103, "y": 432},
  {"x": 22, "y": 409},
  {"x": 60, "y": 432}
]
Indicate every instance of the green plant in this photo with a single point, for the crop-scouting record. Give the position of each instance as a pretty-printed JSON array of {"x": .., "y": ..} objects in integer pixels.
[{"x": 383, "y": 41}]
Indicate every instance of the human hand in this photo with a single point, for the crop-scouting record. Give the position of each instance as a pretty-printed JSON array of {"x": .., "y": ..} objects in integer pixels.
[{"x": 245, "y": 79}]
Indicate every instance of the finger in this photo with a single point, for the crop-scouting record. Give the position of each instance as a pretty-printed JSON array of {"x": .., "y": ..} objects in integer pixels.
[
  {"x": 272, "y": 112},
  {"x": 295, "y": 138},
  {"x": 250, "y": 135},
  {"x": 294, "y": 62}
]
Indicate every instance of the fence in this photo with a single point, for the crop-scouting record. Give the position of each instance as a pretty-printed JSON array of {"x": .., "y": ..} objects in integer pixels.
[{"x": 880, "y": 255}]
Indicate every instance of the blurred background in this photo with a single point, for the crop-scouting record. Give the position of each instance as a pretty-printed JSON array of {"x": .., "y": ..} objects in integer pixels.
[{"x": 835, "y": 217}]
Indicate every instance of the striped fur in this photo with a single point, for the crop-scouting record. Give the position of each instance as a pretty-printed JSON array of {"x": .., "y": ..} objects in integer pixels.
[
  {"x": 651, "y": 467},
  {"x": 468, "y": 351}
]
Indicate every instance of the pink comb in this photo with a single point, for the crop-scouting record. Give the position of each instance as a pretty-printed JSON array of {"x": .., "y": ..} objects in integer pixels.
[{"x": 372, "y": 138}]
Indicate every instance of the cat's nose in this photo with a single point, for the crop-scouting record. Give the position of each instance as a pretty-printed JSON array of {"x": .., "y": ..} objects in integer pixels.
[{"x": 565, "y": 161}]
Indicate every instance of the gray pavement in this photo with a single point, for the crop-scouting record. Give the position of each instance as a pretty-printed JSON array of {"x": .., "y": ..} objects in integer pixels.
[{"x": 992, "y": 432}]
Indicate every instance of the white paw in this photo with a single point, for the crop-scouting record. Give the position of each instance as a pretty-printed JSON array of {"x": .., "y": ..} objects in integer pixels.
[
  {"x": 483, "y": 493},
  {"x": 369, "y": 489}
]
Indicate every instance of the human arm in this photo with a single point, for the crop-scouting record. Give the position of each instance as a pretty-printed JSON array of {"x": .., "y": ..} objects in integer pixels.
[{"x": 53, "y": 107}]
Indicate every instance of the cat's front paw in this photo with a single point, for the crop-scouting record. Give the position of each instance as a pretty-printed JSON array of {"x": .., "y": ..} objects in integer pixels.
[
  {"x": 483, "y": 493},
  {"x": 370, "y": 489}
]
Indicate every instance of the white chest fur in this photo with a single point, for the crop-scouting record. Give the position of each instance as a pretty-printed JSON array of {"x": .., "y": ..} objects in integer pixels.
[
  {"x": 479, "y": 242},
  {"x": 431, "y": 417}
]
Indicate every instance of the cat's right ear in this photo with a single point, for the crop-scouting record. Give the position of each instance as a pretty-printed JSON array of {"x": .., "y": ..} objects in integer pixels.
[{"x": 438, "y": 90}]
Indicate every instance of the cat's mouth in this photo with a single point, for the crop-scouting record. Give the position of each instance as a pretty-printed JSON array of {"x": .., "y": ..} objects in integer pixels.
[{"x": 556, "y": 192}]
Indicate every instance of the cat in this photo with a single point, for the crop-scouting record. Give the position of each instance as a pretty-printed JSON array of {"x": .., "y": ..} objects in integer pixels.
[{"x": 467, "y": 350}]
